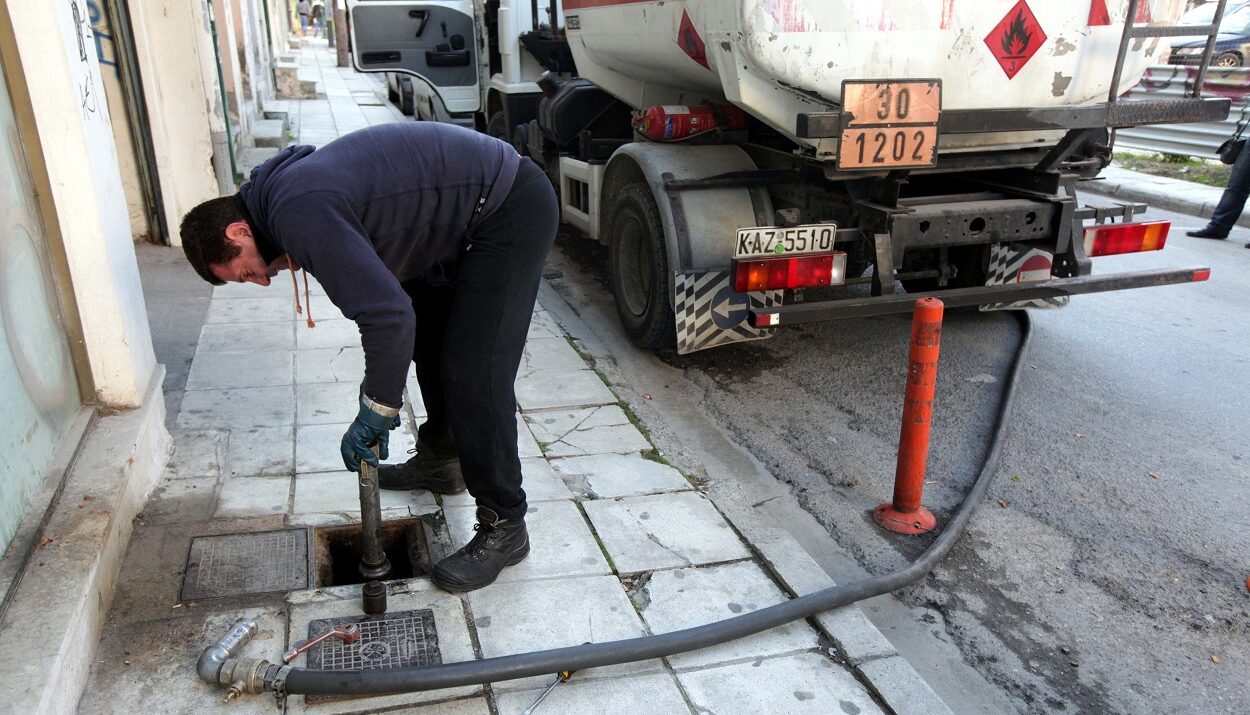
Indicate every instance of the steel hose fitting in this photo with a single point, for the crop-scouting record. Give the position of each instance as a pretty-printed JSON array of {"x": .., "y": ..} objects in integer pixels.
[{"x": 215, "y": 656}]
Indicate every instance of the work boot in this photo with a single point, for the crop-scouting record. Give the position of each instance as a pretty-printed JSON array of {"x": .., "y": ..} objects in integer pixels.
[
  {"x": 431, "y": 468},
  {"x": 497, "y": 543}
]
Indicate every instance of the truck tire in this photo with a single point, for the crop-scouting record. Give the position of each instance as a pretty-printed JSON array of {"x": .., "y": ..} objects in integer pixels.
[
  {"x": 638, "y": 269},
  {"x": 497, "y": 127},
  {"x": 407, "y": 102}
]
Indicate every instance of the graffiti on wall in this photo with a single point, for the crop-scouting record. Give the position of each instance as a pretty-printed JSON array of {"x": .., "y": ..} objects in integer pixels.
[
  {"x": 105, "y": 48},
  {"x": 89, "y": 85}
]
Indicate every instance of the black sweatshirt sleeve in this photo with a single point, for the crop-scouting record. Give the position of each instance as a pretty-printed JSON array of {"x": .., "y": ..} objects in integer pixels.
[{"x": 323, "y": 234}]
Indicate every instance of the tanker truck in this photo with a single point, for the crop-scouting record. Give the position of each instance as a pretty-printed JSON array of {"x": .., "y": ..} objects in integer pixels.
[{"x": 753, "y": 164}]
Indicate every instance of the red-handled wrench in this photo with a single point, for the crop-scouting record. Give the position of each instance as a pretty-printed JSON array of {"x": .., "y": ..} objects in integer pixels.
[{"x": 347, "y": 632}]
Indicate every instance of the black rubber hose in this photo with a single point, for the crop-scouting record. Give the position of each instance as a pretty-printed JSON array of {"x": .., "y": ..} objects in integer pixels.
[{"x": 593, "y": 655}]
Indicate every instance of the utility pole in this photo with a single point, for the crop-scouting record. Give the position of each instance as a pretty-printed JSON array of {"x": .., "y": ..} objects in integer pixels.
[{"x": 340, "y": 33}]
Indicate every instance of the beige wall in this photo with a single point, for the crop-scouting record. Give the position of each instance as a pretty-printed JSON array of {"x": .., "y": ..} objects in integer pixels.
[
  {"x": 106, "y": 53},
  {"x": 227, "y": 53},
  {"x": 256, "y": 50},
  {"x": 174, "y": 44},
  {"x": 85, "y": 203}
]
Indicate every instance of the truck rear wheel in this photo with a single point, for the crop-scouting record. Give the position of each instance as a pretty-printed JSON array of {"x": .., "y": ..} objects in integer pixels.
[
  {"x": 497, "y": 127},
  {"x": 638, "y": 269}
]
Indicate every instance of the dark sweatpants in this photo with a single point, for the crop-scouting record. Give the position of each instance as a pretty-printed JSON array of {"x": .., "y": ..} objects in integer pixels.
[{"x": 470, "y": 336}]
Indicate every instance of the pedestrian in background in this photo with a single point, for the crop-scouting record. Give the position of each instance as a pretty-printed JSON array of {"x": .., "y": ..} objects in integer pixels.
[
  {"x": 318, "y": 15},
  {"x": 302, "y": 8},
  {"x": 1233, "y": 200}
]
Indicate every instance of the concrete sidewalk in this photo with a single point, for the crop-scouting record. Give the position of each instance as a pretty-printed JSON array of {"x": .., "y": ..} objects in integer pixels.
[{"x": 254, "y": 518}]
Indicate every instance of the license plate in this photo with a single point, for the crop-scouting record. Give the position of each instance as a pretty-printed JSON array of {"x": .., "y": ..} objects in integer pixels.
[
  {"x": 768, "y": 241},
  {"x": 889, "y": 125}
]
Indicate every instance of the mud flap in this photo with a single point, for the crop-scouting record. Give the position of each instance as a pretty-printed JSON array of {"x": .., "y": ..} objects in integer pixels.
[
  {"x": 1015, "y": 263},
  {"x": 710, "y": 313}
]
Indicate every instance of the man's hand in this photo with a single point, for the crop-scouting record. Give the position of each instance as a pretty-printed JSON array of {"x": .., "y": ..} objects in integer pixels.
[{"x": 373, "y": 425}]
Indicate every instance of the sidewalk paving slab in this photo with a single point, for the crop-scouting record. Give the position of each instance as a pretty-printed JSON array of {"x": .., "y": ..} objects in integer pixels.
[
  {"x": 537, "y": 615},
  {"x": 799, "y": 684},
  {"x": 238, "y": 408},
  {"x": 580, "y": 431},
  {"x": 654, "y": 693},
  {"x": 242, "y": 338},
  {"x": 604, "y": 476},
  {"x": 260, "y": 451},
  {"x": 689, "y": 597},
  {"x": 196, "y": 453},
  {"x": 561, "y": 388},
  {"x": 222, "y": 370},
  {"x": 663, "y": 531}
]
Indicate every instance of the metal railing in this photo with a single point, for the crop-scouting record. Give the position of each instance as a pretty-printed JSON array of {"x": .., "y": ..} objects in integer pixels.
[{"x": 1175, "y": 82}]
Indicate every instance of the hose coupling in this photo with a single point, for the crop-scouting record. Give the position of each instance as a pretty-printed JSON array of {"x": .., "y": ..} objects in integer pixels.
[{"x": 244, "y": 675}]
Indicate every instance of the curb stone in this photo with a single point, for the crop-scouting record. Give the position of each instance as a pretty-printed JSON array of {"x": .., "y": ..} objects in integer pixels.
[{"x": 1159, "y": 192}]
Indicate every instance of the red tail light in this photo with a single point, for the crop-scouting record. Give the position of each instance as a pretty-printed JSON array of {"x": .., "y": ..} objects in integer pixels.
[
  {"x": 1113, "y": 238},
  {"x": 755, "y": 274}
]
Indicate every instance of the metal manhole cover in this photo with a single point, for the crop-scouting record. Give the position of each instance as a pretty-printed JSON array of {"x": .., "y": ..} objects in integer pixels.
[
  {"x": 400, "y": 639},
  {"x": 256, "y": 562}
]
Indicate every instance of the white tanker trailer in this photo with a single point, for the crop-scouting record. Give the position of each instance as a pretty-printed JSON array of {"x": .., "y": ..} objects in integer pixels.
[{"x": 757, "y": 163}]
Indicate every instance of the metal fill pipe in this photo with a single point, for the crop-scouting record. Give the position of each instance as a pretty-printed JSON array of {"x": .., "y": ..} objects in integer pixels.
[{"x": 374, "y": 565}]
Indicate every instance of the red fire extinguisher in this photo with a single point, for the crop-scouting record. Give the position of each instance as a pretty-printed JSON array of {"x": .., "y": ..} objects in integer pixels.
[{"x": 673, "y": 122}]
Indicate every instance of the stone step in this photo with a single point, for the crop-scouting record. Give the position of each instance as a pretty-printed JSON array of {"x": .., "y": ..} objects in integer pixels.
[
  {"x": 277, "y": 109},
  {"x": 250, "y": 158},
  {"x": 269, "y": 133},
  {"x": 290, "y": 84}
]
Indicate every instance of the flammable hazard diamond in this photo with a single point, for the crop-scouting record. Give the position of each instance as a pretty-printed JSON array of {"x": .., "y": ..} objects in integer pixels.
[{"x": 1016, "y": 38}]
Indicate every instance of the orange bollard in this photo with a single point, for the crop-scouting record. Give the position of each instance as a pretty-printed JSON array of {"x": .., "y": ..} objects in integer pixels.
[{"x": 905, "y": 515}]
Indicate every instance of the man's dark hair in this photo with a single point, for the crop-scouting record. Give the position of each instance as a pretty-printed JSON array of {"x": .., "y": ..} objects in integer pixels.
[{"x": 203, "y": 232}]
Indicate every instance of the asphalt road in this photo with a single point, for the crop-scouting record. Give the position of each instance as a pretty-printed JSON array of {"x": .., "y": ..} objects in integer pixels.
[{"x": 1106, "y": 570}]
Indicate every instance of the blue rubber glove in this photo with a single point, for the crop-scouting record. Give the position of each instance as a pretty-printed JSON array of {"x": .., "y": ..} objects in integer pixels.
[{"x": 373, "y": 425}]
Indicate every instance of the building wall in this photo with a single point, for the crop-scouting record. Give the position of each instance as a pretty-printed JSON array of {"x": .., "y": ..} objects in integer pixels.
[
  {"x": 110, "y": 72},
  {"x": 175, "y": 49},
  {"x": 38, "y": 382},
  {"x": 84, "y": 201},
  {"x": 227, "y": 54}
]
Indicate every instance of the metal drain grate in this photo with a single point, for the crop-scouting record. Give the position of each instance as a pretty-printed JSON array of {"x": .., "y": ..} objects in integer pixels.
[
  {"x": 237, "y": 564},
  {"x": 400, "y": 639}
]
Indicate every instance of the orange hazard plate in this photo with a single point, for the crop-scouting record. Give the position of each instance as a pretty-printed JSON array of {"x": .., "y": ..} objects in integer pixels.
[{"x": 889, "y": 125}]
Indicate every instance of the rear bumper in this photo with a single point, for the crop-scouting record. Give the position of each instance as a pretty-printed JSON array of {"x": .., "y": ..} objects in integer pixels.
[{"x": 981, "y": 295}]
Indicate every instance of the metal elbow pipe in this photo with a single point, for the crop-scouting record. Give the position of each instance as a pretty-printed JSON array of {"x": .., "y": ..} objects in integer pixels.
[{"x": 216, "y": 655}]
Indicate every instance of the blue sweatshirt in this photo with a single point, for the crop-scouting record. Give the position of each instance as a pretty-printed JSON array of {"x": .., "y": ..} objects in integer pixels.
[{"x": 376, "y": 208}]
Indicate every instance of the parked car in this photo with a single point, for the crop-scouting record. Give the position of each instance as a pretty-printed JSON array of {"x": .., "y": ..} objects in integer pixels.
[{"x": 1232, "y": 45}]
